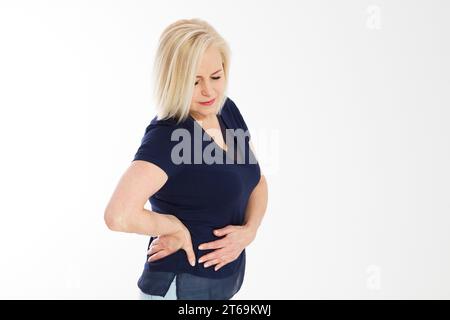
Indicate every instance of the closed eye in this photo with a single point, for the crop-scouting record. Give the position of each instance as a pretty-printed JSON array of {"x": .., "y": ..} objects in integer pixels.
[{"x": 214, "y": 78}]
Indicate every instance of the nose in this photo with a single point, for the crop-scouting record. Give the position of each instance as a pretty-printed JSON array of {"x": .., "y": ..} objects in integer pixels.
[{"x": 206, "y": 89}]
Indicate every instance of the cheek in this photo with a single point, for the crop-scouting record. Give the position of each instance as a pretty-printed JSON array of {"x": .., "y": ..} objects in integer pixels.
[
  {"x": 197, "y": 96},
  {"x": 220, "y": 85},
  {"x": 217, "y": 86}
]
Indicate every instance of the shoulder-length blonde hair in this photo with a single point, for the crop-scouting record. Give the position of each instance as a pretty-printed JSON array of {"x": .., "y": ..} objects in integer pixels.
[{"x": 181, "y": 45}]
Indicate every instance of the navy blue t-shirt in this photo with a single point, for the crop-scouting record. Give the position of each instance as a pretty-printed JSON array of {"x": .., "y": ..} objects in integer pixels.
[{"x": 204, "y": 195}]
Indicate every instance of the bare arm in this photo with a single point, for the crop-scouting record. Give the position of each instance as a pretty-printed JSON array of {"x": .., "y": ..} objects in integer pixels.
[{"x": 125, "y": 211}]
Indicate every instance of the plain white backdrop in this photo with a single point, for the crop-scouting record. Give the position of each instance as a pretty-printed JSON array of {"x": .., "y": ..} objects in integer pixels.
[{"x": 348, "y": 103}]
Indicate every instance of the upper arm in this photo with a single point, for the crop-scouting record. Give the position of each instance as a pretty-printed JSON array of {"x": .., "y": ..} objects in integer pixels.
[{"x": 138, "y": 183}]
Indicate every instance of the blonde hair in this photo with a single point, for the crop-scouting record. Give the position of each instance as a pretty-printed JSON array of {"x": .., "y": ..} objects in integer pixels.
[{"x": 181, "y": 45}]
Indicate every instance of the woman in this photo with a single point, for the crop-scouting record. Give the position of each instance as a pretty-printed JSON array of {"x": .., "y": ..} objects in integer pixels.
[{"x": 197, "y": 167}]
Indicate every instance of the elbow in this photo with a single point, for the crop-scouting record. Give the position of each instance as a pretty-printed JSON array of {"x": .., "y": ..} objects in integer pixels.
[{"x": 114, "y": 220}]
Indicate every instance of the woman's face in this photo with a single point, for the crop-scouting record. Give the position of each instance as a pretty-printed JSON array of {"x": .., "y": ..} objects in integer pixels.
[{"x": 209, "y": 84}]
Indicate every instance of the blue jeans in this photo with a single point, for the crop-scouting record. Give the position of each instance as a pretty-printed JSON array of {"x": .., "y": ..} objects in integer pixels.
[{"x": 170, "y": 295}]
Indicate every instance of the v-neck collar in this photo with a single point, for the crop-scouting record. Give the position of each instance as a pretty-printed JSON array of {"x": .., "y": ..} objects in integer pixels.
[{"x": 222, "y": 126}]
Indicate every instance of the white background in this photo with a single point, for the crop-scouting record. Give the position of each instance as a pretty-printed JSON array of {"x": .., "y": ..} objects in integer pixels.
[{"x": 348, "y": 103}]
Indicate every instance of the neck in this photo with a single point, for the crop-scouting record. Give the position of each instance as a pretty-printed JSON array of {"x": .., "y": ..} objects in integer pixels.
[{"x": 200, "y": 117}]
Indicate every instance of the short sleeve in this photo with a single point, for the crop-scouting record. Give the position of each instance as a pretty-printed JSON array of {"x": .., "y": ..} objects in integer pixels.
[
  {"x": 238, "y": 117},
  {"x": 156, "y": 147}
]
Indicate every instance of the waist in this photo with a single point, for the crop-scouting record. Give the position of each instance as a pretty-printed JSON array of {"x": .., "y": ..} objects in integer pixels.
[{"x": 178, "y": 263}]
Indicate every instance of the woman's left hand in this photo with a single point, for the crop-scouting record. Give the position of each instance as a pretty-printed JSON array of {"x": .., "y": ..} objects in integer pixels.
[{"x": 228, "y": 249}]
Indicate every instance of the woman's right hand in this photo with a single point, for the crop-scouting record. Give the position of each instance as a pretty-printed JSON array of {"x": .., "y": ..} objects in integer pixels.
[{"x": 165, "y": 245}]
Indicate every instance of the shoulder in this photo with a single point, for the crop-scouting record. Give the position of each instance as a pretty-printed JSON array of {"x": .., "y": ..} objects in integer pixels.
[
  {"x": 162, "y": 125},
  {"x": 161, "y": 130},
  {"x": 157, "y": 145},
  {"x": 230, "y": 107},
  {"x": 231, "y": 112}
]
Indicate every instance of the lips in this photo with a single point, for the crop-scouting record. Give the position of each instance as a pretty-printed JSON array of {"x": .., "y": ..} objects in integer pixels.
[{"x": 208, "y": 103}]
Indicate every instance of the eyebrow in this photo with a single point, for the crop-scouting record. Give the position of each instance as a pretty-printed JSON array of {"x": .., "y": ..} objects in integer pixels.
[{"x": 211, "y": 74}]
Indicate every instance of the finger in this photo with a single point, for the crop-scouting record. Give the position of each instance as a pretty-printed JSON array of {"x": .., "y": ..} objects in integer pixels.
[
  {"x": 216, "y": 254},
  {"x": 207, "y": 257},
  {"x": 211, "y": 262},
  {"x": 190, "y": 254},
  {"x": 155, "y": 241},
  {"x": 220, "y": 265},
  {"x": 213, "y": 245},
  {"x": 154, "y": 248},
  {"x": 224, "y": 231},
  {"x": 159, "y": 255}
]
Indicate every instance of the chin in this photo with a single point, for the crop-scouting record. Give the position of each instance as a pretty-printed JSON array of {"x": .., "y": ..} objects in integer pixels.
[
  {"x": 206, "y": 109},
  {"x": 209, "y": 112}
]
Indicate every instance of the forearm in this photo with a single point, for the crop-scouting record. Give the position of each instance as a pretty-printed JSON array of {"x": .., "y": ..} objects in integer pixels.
[
  {"x": 257, "y": 205},
  {"x": 146, "y": 222}
]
